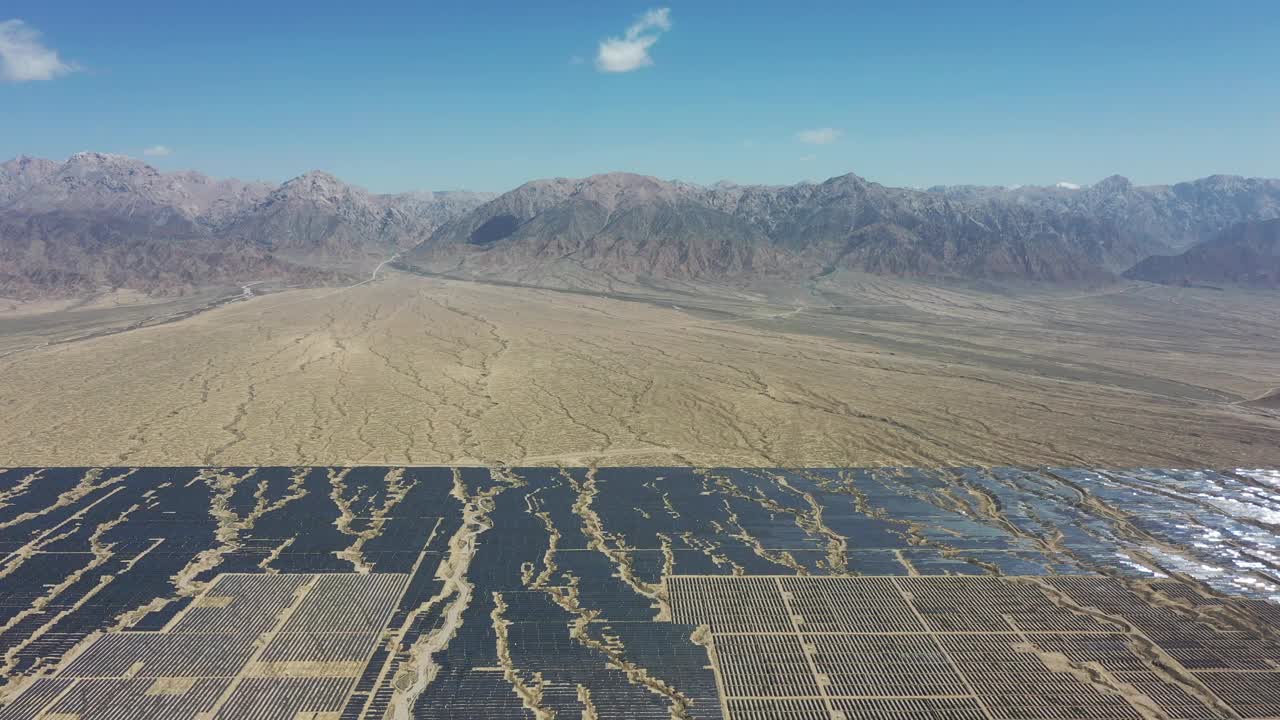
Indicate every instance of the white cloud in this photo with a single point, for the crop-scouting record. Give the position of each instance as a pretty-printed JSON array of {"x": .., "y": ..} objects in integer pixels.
[
  {"x": 23, "y": 58},
  {"x": 808, "y": 158},
  {"x": 1068, "y": 185},
  {"x": 631, "y": 51},
  {"x": 157, "y": 151},
  {"x": 819, "y": 136}
]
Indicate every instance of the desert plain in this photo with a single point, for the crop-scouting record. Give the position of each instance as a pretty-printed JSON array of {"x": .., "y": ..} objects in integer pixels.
[{"x": 852, "y": 370}]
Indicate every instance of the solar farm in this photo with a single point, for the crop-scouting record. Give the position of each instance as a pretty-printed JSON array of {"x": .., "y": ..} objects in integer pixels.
[{"x": 837, "y": 594}]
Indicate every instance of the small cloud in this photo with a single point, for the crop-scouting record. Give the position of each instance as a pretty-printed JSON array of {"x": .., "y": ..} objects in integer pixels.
[
  {"x": 631, "y": 51},
  {"x": 819, "y": 136},
  {"x": 23, "y": 58},
  {"x": 157, "y": 151},
  {"x": 1067, "y": 185},
  {"x": 808, "y": 158}
]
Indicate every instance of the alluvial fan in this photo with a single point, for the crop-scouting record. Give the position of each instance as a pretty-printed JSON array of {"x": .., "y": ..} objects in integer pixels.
[{"x": 343, "y": 593}]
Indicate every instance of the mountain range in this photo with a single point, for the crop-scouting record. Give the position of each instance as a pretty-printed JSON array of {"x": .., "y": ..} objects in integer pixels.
[
  {"x": 633, "y": 227},
  {"x": 100, "y": 220}
]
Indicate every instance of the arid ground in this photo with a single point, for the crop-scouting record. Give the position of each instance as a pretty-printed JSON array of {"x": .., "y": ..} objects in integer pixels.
[{"x": 854, "y": 371}]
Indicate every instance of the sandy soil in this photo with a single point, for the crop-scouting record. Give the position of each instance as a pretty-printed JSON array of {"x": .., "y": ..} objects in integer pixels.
[
  {"x": 1270, "y": 401},
  {"x": 26, "y": 325},
  {"x": 856, "y": 371}
]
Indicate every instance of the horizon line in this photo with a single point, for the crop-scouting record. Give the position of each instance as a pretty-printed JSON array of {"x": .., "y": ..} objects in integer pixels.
[{"x": 1060, "y": 185}]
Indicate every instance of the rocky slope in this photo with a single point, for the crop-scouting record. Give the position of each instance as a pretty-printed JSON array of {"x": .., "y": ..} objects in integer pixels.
[
  {"x": 641, "y": 227},
  {"x": 1155, "y": 217},
  {"x": 70, "y": 252},
  {"x": 109, "y": 220},
  {"x": 1247, "y": 254},
  {"x": 621, "y": 225},
  {"x": 317, "y": 219},
  {"x": 120, "y": 184}
]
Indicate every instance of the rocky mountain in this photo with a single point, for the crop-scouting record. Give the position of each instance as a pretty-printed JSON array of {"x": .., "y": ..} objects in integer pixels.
[
  {"x": 120, "y": 184},
  {"x": 620, "y": 225},
  {"x": 19, "y": 175},
  {"x": 70, "y": 252},
  {"x": 430, "y": 210},
  {"x": 100, "y": 219},
  {"x": 317, "y": 219},
  {"x": 1246, "y": 254},
  {"x": 1154, "y": 217},
  {"x": 637, "y": 227},
  {"x": 850, "y": 223}
]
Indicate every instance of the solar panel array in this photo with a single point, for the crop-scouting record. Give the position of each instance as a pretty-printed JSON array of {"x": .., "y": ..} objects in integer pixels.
[
  {"x": 1012, "y": 648},
  {"x": 877, "y": 594},
  {"x": 296, "y": 655}
]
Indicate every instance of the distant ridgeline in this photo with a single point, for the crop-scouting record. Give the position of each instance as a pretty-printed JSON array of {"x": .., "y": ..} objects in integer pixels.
[
  {"x": 325, "y": 593},
  {"x": 96, "y": 220}
]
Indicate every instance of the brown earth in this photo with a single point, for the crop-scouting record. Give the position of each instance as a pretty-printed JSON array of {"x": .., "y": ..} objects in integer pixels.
[{"x": 852, "y": 371}]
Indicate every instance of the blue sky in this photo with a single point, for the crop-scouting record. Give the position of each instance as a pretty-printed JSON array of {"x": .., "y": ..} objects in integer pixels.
[{"x": 485, "y": 95}]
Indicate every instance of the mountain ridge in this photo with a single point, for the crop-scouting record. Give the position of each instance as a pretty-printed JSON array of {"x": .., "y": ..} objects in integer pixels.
[
  {"x": 1245, "y": 254},
  {"x": 66, "y": 225},
  {"x": 105, "y": 220},
  {"x": 1052, "y": 234}
]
